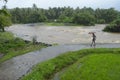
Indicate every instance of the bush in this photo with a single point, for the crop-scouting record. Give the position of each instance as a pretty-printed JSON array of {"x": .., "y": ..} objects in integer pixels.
[
  {"x": 113, "y": 27},
  {"x": 6, "y": 45},
  {"x": 101, "y": 21}
]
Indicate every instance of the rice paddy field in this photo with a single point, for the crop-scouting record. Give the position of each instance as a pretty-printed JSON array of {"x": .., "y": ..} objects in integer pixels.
[{"x": 94, "y": 67}]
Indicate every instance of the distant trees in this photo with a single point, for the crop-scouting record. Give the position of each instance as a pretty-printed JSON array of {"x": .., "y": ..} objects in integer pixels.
[
  {"x": 28, "y": 15},
  {"x": 84, "y": 19},
  {"x": 66, "y": 15},
  {"x": 83, "y": 16},
  {"x": 105, "y": 15}
]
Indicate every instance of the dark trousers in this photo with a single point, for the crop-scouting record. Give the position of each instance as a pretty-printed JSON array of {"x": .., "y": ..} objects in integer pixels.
[{"x": 93, "y": 43}]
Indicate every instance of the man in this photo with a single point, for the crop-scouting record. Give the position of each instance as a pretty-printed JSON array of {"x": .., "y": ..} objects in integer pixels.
[{"x": 93, "y": 39}]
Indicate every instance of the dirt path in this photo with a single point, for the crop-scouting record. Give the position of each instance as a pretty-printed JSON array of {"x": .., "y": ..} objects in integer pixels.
[{"x": 18, "y": 66}]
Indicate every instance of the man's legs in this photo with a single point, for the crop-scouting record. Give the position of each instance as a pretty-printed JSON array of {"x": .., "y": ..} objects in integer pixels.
[{"x": 93, "y": 43}]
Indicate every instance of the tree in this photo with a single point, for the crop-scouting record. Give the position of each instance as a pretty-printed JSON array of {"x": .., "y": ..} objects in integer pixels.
[
  {"x": 4, "y": 19},
  {"x": 84, "y": 19},
  {"x": 83, "y": 16},
  {"x": 105, "y": 15},
  {"x": 64, "y": 18}
]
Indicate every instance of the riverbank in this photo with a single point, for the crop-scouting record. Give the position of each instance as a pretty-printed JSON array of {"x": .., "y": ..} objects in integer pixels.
[{"x": 11, "y": 46}]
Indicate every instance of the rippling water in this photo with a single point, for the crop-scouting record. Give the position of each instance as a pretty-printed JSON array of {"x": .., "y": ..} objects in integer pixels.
[{"x": 63, "y": 34}]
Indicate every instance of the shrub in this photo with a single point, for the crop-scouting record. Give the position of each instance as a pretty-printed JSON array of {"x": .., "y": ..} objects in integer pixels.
[{"x": 113, "y": 27}]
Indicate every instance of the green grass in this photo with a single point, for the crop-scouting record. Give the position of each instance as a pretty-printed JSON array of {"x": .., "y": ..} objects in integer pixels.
[
  {"x": 94, "y": 67},
  {"x": 6, "y": 35},
  {"x": 60, "y": 24},
  {"x": 47, "y": 69},
  {"x": 11, "y": 47}
]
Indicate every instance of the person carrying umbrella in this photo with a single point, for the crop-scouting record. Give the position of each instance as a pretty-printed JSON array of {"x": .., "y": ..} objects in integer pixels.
[{"x": 93, "y": 39}]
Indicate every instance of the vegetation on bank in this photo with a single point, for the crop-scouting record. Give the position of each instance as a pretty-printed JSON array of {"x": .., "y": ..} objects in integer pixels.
[
  {"x": 11, "y": 46},
  {"x": 47, "y": 69},
  {"x": 60, "y": 24},
  {"x": 113, "y": 27}
]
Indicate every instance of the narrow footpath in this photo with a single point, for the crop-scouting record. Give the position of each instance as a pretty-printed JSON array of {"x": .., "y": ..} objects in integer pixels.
[{"x": 18, "y": 66}]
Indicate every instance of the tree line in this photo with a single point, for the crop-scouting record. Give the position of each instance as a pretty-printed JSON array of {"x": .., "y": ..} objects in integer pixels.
[{"x": 83, "y": 16}]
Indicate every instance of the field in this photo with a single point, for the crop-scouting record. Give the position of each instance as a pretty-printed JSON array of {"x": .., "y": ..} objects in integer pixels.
[
  {"x": 87, "y": 64},
  {"x": 94, "y": 67}
]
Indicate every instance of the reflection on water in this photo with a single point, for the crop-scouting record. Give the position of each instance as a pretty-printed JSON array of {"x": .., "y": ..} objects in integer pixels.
[{"x": 63, "y": 34}]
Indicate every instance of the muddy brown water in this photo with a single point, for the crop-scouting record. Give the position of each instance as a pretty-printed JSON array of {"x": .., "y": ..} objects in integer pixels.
[{"x": 64, "y": 34}]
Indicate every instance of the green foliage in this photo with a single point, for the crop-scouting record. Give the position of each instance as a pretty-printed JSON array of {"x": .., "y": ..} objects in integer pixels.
[
  {"x": 114, "y": 26},
  {"x": 5, "y": 20},
  {"x": 63, "y": 18},
  {"x": 8, "y": 44},
  {"x": 4, "y": 12},
  {"x": 27, "y": 15},
  {"x": 45, "y": 70},
  {"x": 84, "y": 16},
  {"x": 84, "y": 19},
  {"x": 100, "y": 21},
  {"x": 106, "y": 15}
]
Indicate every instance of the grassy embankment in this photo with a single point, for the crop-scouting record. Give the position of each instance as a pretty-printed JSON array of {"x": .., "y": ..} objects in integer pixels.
[
  {"x": 87, "y": 64},
  {"x": 60, "y": 24},
  {"x": 11, "y": 46}
]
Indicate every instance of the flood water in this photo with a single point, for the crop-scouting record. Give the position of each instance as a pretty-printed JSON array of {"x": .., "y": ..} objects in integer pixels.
[{"x": 63, "y": 34}]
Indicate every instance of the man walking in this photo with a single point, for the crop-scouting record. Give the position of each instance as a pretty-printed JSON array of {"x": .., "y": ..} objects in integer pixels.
[{"x": 93, "y": 39}]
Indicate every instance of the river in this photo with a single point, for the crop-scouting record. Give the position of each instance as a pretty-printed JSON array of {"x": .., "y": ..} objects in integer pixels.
[{"x": 63, "y": 34}]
